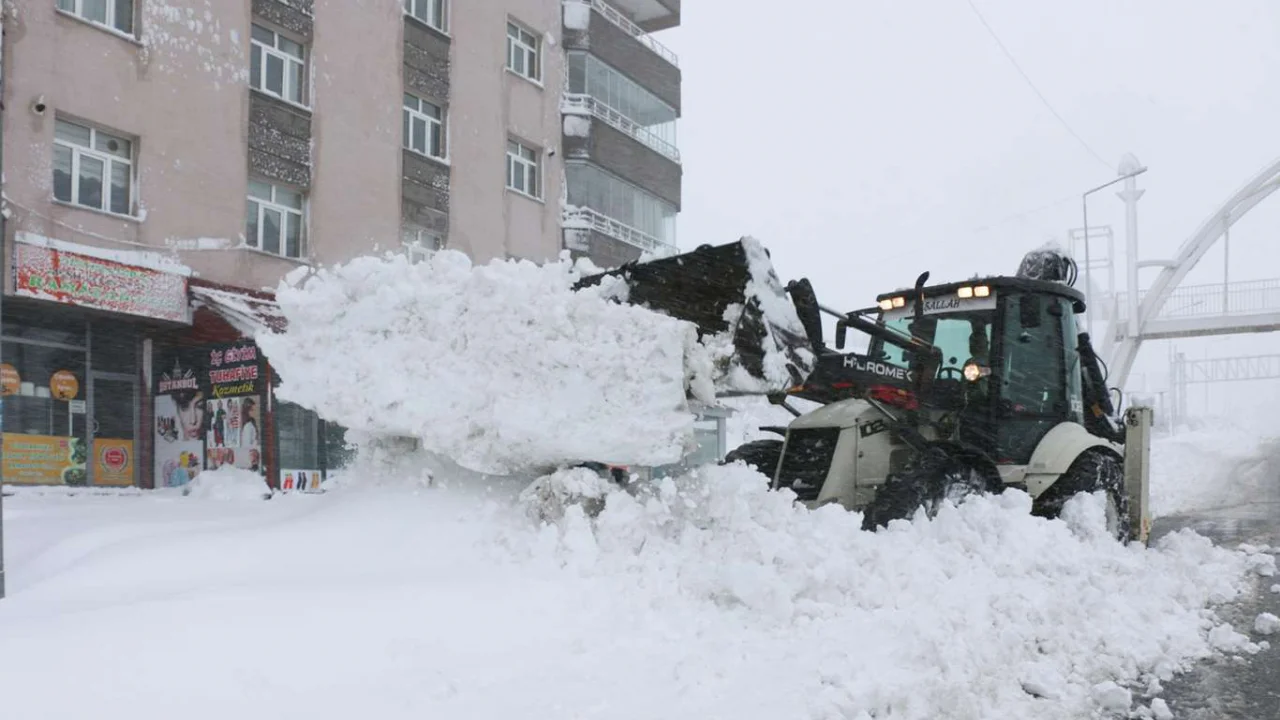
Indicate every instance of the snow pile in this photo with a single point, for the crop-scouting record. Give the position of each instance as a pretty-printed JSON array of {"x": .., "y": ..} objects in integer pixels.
[
  {"x": 1266, "y": 624},
  {"x": 984, "y": 612},
  {"x": 1206, "y": 469},
  {"x": 227, "y": 483},
  {"x": 500, "y": 366}
]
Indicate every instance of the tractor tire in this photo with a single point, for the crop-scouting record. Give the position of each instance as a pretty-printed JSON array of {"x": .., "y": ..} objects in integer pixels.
[
  {"x": 1093, "y": 471},
  {"x": 763, "y": 455},
  {"x": 927, "y": 481}
]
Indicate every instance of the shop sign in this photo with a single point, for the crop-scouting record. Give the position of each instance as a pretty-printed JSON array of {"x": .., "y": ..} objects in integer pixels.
[
  {"x": 113, "y": 461},
  {"x": 64, "y": 385},
  {"x": 235, "y": 370},
  {"x": 43, "y": 460},
  {"x": 74, "y": 279},
  {"x": 10, "y": 380}
]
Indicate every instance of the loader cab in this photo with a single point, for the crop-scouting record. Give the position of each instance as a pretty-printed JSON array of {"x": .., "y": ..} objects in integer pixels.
[{"x": 1010, "y": 369}]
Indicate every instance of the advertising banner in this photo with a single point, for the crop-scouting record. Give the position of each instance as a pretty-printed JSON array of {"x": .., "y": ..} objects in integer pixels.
[
  {"x": 74, "y": 279},
  {"x": 44, "y": 460},
  {"x": 113, "y": 461},
  {"x": 208, "y": 410}
]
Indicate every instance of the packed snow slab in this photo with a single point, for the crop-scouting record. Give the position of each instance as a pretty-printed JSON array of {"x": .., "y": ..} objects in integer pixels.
[
  {"x": 702, "y": 597},
  {"x": 511, "y": 364}
]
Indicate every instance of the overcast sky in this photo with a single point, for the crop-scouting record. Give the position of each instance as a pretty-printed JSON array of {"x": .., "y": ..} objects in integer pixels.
[{"x": 865, "y": 141}]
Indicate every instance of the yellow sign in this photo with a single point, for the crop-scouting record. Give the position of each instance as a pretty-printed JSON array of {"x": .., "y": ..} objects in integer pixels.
[
  {"x": 64, "y": 385},
  {"x": 10, "y": 380},
  {"x": 44, "y": 460},
  {"x": 113, "y": 461}
]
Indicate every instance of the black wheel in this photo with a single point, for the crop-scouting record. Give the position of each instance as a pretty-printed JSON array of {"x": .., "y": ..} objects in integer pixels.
[
  {"x": 1093, "y": 471},
  {"x": 763, "y": 455},
  {"x": 929, "y": 479}
]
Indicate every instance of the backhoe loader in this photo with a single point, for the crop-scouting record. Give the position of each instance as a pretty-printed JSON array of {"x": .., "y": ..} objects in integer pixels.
[{"x": 965, "y": 387}]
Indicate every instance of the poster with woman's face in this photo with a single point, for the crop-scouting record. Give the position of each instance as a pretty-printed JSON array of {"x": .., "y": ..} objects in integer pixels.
[{"x": 178, "y": 454}]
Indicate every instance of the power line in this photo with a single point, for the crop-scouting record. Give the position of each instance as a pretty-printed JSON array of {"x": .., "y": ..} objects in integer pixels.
[{"x": 1013, "y": 61}]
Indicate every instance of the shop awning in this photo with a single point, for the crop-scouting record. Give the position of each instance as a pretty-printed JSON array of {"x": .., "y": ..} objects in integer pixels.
[{"x": 249, "y": 313}]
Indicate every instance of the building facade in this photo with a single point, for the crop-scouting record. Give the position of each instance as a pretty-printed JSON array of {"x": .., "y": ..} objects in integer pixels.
[{"x": 165, "y": 164}]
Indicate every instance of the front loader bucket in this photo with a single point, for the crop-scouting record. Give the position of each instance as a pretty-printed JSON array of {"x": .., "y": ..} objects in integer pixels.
[{"x": 731, "y": 293}]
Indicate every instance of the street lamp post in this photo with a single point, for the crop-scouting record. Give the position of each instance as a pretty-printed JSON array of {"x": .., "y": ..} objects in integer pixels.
[{"x": 1084, "y": 206}]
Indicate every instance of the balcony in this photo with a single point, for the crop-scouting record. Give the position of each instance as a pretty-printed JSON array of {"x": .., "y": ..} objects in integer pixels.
[
  {"x": 651, "y": 15},
  {"x": 581, "y": 218},
  {"x": 577, "y": 16},
  {"x": 583, "y": 105}
]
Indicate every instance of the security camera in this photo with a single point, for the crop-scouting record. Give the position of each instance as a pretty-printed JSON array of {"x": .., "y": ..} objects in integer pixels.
[{"x": 38, "y": 106}]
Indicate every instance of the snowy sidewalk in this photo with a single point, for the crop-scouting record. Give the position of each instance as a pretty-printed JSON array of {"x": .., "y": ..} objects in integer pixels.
[{"x": 717, "y": 600}]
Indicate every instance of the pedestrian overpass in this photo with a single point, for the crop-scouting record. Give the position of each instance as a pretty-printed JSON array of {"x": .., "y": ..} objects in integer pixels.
[{"x": 1170, "y": 310}]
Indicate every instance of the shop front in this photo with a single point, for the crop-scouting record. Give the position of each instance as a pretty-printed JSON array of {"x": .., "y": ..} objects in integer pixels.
[{"x": 73, "y": 329}]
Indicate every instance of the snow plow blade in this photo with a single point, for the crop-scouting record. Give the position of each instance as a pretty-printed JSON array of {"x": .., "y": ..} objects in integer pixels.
[{"x": 727, "y": 290}]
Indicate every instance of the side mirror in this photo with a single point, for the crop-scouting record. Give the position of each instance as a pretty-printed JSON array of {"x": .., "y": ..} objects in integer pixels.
[
  {"x": 1029, "y": 311},
  {"x": 841, "y": 332}
]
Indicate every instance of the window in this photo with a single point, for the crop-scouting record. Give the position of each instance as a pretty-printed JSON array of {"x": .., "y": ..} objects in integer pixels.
[
  {"x": 592, "y": 187},
  {"x": 115, "y": 14},
  {"x": 522, "y": 169},
  {"x": 276, "y": 65},
  {"x": 960, "y": 336},
  {"x": 420, "y": 243},
  {"x": 92, "y": 168},
  {"x": 273, "y": 221},
  {"x": 431, "y": 12},
  {"x": 522, "y": 52},
  {"x": 423, "y": 127}
]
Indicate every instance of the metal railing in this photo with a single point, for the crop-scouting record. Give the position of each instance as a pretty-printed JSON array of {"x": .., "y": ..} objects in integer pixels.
[
  {"x": 1192, "y": 301},
  {"x": 616, "y": 17},
  {"x": 574, "y": 103},
  {"x": 580, "y": 218}
]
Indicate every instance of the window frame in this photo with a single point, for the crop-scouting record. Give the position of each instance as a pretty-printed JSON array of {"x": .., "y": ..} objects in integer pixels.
[
  {"x": 264, "y": 51},
  {"x": 411, "y": 9},
  {"x": 531, "y": 51},
  {"x": 413, "y": 238},
  {"x": 300, "y": 214},
  {"x": 110, "y": 8},
  {"x": 410, "y": 115},
  {"x": 108, "y": 161},
  {"x": 531, "y": 168}
]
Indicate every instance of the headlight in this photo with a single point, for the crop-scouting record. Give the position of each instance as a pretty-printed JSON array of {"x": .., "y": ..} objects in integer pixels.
[
  {"x": 899, "y": 302},
  {"x": 965, "y": 292},
  {"x": 973, "y": 372},
  {"x": 886, "y": 304},
  {"x": 981, "y": 291}
]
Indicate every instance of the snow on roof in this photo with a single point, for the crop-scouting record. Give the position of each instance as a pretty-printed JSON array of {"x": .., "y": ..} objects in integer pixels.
[{"x": 251, "y": 316}]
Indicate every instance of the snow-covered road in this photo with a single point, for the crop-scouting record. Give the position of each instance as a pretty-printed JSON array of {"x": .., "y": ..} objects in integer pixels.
[{"x": 709, "y": 599}]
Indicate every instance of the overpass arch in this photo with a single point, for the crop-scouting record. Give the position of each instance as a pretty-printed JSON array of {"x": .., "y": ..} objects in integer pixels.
[{"x": 1123, "y": 345}]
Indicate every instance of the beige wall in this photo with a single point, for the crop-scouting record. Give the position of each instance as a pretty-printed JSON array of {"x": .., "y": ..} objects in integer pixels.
[
  {"x": 487, "y": 104},
  {"x": 188, "y": 109},
  {"x": 183, "y": 92},
  {"x": 356, "y": 131}
]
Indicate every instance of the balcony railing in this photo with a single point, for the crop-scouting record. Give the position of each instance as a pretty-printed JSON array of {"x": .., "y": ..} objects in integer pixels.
[
  {"x": 580, "y": 218},
  {"x": 616, "y": 17},
  {"x": 580, "y": 104}
]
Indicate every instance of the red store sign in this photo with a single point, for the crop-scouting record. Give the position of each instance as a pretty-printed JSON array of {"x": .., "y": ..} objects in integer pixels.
[{"x": 74, "y": 279}]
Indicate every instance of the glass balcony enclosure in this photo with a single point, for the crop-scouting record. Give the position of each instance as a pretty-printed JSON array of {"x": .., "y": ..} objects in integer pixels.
[
  {"x": 589, "y": 75},
  {"x": 592, "y": 187}
]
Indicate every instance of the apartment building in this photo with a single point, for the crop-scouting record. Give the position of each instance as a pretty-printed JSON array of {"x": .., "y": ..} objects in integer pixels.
[{"x": 165, "y": 163}]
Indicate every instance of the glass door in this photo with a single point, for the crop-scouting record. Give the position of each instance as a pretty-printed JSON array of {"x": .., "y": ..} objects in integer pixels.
[{"x": 113, "y": 428}]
